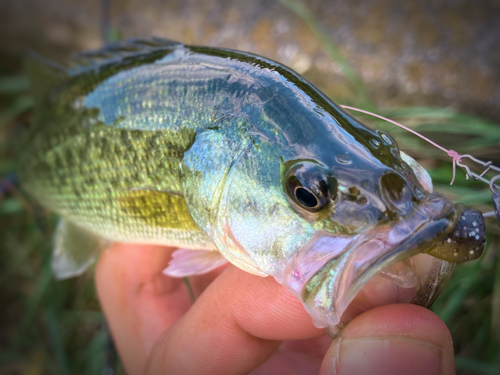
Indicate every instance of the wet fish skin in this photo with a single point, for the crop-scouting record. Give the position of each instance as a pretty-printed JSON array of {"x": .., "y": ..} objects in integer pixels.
[
  {"x": 202, "y": 148},
  {"x": 110, "y": 137}
]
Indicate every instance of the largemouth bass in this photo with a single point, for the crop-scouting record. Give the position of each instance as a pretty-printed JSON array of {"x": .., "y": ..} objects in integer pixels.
[{"x": 233, "y": 157}]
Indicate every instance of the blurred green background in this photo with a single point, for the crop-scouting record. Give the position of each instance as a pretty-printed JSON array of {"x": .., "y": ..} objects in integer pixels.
[{"x": 431, "y": 66}]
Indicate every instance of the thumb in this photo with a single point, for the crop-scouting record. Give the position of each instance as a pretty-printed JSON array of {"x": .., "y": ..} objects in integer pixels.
[{"x": 392, "y": 339}]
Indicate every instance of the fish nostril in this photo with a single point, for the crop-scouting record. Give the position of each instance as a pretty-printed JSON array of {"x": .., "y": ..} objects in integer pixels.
[
  {"x": 353, "y": 190},
  {"x": 395, "y": 192},
  {"x": 362, "y": 200}
]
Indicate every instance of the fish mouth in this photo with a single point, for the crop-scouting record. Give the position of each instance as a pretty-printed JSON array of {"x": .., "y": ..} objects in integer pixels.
[{"x": 338, "y": 278}]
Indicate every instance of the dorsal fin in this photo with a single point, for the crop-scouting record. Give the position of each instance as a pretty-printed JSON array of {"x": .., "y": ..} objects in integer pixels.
[
  {"x": 43, "y": 74},
  {"x": 119, "y": 53}
]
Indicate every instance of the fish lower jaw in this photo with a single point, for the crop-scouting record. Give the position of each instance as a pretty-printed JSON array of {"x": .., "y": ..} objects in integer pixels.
[
  {"x": 414, "y": 280},
  {"x": 341, "y": 277}
]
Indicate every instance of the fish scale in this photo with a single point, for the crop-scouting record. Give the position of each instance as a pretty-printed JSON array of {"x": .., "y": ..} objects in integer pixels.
[{"x": 83, "y": 167}]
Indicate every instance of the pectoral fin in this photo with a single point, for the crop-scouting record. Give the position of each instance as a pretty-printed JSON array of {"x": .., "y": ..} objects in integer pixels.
[
  {"x": 186, "y": 262},
  {"x": 75, "y": 249}
]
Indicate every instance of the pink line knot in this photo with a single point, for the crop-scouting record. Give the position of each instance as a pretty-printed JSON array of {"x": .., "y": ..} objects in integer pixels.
[{"x": 456, "y": 158}]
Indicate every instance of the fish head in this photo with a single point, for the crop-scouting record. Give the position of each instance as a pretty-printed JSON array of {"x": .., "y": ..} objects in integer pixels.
[
  {"x": 345, "y": 225},
  {"x": 381, "y": 234},
  {"x": 375, "y": 243}
]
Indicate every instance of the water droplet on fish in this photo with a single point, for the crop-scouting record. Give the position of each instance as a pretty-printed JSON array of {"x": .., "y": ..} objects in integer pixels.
[
  {"x": 386, "y": 139},
  {"x": 343, "y": 159}
]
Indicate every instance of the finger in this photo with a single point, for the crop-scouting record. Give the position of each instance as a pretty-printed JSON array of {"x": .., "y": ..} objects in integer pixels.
[
  {"x": 296, "y": 357},
  {"x": 235, "y": 325},
  {"x": 200, "y": 282},
  {"x": 139, "y": 302},
  {"x": 392, "y": 339}
]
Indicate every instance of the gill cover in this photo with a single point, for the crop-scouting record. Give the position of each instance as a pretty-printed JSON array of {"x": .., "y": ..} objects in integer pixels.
[{"x": 207, "y": 171}]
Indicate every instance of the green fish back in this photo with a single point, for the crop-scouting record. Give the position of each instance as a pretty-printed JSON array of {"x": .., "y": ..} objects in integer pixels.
[{"x": 118, "y": 179}]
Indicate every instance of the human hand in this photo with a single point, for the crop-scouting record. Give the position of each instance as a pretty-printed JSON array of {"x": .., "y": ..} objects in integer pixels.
[{"x": 241, "y": 323}]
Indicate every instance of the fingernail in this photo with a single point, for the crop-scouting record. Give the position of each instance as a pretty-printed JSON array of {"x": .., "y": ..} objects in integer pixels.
[{"x": 387, "y": 355}]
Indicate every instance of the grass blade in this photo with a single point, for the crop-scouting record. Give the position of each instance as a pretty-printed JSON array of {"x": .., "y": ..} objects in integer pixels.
[{"x": 301, "y": 10}]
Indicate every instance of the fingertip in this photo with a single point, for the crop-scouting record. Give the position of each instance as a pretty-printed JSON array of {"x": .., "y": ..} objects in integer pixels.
[
  {"x": 267, "y": 310},
  {"x": 399, "y": 319},
  {"x": 392, "y": 339}
]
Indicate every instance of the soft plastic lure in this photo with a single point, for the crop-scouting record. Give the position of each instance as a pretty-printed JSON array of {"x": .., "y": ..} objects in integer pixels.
[{"x": 233, "y": 157}]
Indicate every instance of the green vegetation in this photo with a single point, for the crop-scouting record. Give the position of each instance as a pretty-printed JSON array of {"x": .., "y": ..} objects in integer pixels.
[{"x": 53, "y": 327}]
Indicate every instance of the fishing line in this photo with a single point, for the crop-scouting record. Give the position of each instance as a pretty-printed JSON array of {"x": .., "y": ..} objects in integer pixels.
[{"x": 457, "y": 160}]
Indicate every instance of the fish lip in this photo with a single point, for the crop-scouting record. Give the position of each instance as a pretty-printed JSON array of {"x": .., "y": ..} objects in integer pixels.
[
  {"x": 357, "y": 260},
  {"x": 428, "y": 222}
]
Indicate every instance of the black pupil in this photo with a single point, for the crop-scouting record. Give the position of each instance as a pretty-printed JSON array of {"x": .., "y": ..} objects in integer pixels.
[{"x": 305, "y": 197}]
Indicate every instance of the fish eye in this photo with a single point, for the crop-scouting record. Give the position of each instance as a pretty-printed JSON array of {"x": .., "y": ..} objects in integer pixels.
[
  {"x": 306, "y": 198},
  {"x": 307, "y": 187}
]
